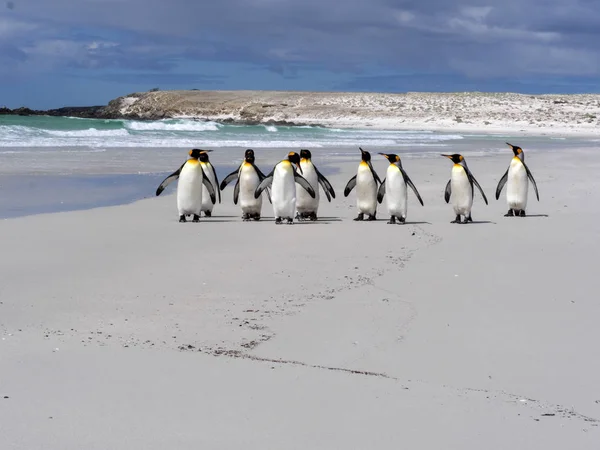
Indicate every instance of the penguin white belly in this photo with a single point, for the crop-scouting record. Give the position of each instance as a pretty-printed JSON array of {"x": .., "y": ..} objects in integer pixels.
[
  {"x": 304, "y": 202},
  {"x": 189, "y": 189},
  {"x": 517, "y": 185},
  {"x": 248, "y": 182},
  {"x": 283, "y": 191},
  {"x": 395, "y": 192},
  {"x": 207, "y": 204},
  {"x": 366, "y": 190},
  {"x": 462, "y": 194}
]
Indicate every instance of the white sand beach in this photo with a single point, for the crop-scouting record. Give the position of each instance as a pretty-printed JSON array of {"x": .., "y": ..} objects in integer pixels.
[{"x": 123, "y": 329}]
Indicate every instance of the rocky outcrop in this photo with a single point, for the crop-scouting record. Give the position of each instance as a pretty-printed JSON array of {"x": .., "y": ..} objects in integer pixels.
[{"x": 90, "y": 112}]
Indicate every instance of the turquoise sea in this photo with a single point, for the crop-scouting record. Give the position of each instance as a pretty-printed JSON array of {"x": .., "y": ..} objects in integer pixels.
[{"x": 50, "y": 164}]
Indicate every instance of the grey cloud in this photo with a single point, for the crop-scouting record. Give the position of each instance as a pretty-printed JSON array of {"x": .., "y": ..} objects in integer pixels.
[{"x": 473, "y": 38}]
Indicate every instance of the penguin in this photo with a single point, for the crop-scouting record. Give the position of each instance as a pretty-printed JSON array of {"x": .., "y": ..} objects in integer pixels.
[
  {"x": 209, "y": 170},
  {"x": 365, "y": 180},
  {"x": 189, "y": 188},
  {"x": 394, "y": 184},
  {"x": 248, "y": 177},
  {"x": 283, "y": 179},
  {"x": 460, "y": 187},
  {"x": 517, "y": 185},
  {"x": 306, "y": 205}
]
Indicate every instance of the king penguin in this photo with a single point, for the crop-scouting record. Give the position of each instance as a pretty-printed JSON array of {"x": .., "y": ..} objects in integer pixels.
[
  {"x": 248, "y": 177},
  {"x": 211, "y": 174},
  {"x": 365, "y": 180},
  {"x": 517, "y": 185},
  {"x": 307, "y": 205},
  {"x": 189, "y": 188},
  {"x": 283, "y": 179},
  {"x": 394, "y": 186},
  {"x": 460, "y": 187}
]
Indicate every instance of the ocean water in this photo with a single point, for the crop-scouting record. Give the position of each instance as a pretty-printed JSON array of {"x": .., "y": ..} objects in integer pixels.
[
  {"x": 41, "y": 131},
  {"x": 52, "y": 164}
]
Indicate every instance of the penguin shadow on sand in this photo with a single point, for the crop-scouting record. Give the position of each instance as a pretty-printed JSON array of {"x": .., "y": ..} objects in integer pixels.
[
  {"x": 219, "y": 219},
  {"x": 320, "y": 221}
]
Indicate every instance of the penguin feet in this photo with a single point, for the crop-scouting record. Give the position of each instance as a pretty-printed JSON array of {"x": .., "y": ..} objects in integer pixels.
[
  {"x": 313, "y": 216},
  {"x": 278, "y": 221},
  {"x": 468, "y": 219},
  {"x": 361, "y": 216},
  {"x": 522, "y": 213},
  {"x": 246, "y": 217},
  {"x": 372, "y": 217},
  {"x": 182, "y": 218},
  {"x": 457, "y": 220},
  {"x": 510, "y": 213},
  {"x": 196, "y": 218},
  {"x": 256, "y": 217},
  {"x": 392, "y": 220},
  {"x": 290, "y": 221},
  {"x": 401, "y": 220},
  {"x": 207, "y": 213}
]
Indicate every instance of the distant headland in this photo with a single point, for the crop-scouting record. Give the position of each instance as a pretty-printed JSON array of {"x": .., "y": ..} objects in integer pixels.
[{"x": 548, "y": 113}]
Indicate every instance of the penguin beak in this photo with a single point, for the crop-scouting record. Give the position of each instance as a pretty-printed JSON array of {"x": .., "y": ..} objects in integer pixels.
[
  {"x": 383, "y": 154},
  {"x": 448, "y": 156}
]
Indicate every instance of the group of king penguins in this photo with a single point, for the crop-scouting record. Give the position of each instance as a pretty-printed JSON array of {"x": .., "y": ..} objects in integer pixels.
[{"x": 198, "y": 187}]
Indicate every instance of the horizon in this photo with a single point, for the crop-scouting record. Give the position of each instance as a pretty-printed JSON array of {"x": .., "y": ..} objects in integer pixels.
[
  {"x": 308, "y": 91},
  {"x": 64, "y": 54}
]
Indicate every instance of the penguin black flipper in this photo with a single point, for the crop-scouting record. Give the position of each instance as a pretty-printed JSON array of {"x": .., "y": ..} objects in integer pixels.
[
  {"x": 236, "y": 191},
  {"x": 325, "y": 184},
  {"x": 211, "y": 190},
  {"x": 262, "y": 176},
  {"x": 474, "y": 182},
  {"x": 305, "y": 184},
  {"x": 266, "y": 182},
  {"x": 351, "y": 185},
  {"x": 377, "y": 180},
  {"x": 381, "y": 191},
  {"x": 168, "y": 180},
  {"x": 530, "y": 176},
  {"x": 229, "y": 178},
  {"x": 501, "y": 184},
  {"x": 448, "y": 191},
  {"x": 216, "y": 180},
  {"x": 408, "y": 181}
]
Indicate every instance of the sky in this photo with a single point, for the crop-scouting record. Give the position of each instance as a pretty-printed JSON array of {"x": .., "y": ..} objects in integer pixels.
[{"x": 56, "y": 53}]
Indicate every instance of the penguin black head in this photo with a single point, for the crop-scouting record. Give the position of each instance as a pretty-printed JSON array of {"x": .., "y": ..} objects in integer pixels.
[
  {"x": 203, "y": 156},
  {"x": 366, "y": 156},
  {"x": 516, "y": 150},
  {"x": 392, "y": 158},
  {"x": 456, "y": 158},
  {"x": 249, "y": 156},
  {"x": 196, "y": 153},
  {"x": 305, "y": 154},
  {"x": 294, "y": 158}
]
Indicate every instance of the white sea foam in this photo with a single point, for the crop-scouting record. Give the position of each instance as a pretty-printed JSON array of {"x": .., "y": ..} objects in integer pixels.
[
  {"x": 89, "y": 132},
  {"x": 186, "y": 133},
  {"x": 170, "y": 125}
]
